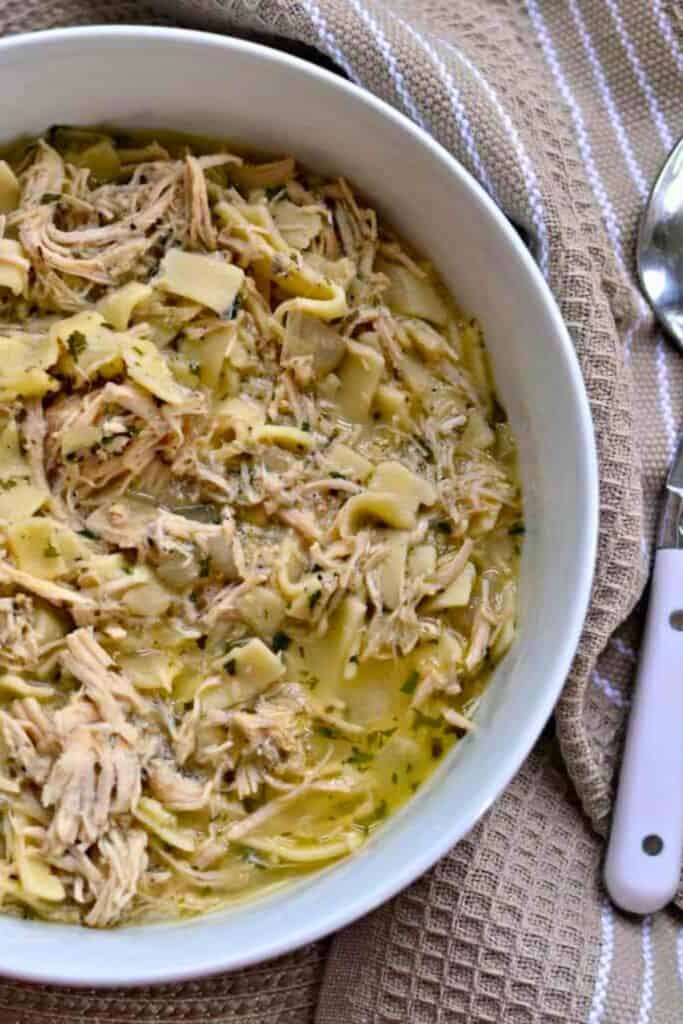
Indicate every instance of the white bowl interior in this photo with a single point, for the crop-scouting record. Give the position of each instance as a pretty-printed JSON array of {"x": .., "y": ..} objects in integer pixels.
[{"x": 206, "y": 84}]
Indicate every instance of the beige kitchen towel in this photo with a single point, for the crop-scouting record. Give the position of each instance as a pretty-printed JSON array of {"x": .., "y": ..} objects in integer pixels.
[{"x": 563, "y": 110}]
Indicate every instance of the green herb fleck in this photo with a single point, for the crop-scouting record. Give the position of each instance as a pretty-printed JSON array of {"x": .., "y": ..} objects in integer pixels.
[
  {"x": 314, "y": 598},
  {"x": 253, "y": 857},
  {"x": 337, "y": 476},
  {"x": 420, "y": 721},
  {"x": 281, "y": 641},
  {"x": 50, "y": 551},
  {"x": 327, "y": 731},
  {"x": 9, "y": 484},
  {"x": 205, "y": 566},
  {"x": 517, "y": 529},
  {"x": 394, "y": 778},
  {"x": 85, "y": 532},
  {"x": 231, "y": 666},
  {"x": 77, "y": 343},
  {"x": 444, "y": 526},
  {"x": 358, "y": 756},
  {"x": 195, "y": 367},
  {"x": 306, "y": 427},
  {"x": 411, "y": 682}
]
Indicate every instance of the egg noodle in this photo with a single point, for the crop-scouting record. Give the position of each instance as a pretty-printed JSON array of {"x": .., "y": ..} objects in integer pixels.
[{"x": 259, "y": 525}]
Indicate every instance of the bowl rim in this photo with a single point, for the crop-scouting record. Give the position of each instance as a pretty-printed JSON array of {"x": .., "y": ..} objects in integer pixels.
[{"x": 334, "y": 918}]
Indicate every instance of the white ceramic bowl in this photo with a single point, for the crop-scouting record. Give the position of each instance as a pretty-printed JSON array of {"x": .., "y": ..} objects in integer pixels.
[{"x": 159, "y": 78}]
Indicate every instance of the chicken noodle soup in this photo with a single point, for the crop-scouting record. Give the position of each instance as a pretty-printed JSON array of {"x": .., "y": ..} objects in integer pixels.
[{"x": 259, "y": 520}]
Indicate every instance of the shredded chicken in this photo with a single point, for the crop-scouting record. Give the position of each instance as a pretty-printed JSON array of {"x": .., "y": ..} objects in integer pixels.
[{"x": 259, "y": 525}]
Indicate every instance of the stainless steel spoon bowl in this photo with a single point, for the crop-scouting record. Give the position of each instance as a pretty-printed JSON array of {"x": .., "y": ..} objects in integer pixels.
[{"x": 659, "y": 253}]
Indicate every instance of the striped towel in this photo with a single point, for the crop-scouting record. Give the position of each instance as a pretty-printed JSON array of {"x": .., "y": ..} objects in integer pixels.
[{"x": 563, "y": 109}]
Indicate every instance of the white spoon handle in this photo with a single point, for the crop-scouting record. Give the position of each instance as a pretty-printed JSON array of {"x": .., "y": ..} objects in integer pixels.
[{"x": 643, "y": 866}]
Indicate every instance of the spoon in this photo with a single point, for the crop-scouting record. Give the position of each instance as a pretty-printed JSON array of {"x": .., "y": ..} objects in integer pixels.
[{"x": 643, "y": 865}]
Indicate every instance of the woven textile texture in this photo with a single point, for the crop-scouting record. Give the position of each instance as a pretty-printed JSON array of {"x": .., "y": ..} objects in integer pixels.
[{"x": 563, "y": 110}]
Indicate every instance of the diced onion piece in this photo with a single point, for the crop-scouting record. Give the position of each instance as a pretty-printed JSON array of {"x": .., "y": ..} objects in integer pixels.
[
  {"x": 117, "y": 307},
  {"x": 10, "y": 190},
  {"x": 201, "y": 278}
]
